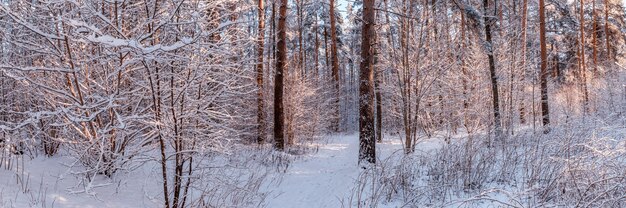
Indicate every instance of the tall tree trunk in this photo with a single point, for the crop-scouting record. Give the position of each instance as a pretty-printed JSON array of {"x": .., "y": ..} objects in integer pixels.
[
  {"x": 522, "y": 109},
  {"x": 279, "y": 133},
  {"x": 545, "y": 112},
  {"x": 583, "y": 71},
  {"x": 335, "y": 64},
  {"x": 492, "y": 72},
  {"x": 367, "y": 144},
  {"x": 301, "y": 57},
  {"x": 274, "y": 32},
  {"x": 326, "y": 47},
  {"x": 379, "y": 108},
  {"x": 317, "y": 49},
  {"x": 606, "y": 29},
  {"x": 594, "y": 35},
  {"x": 271, "y": 54},
  {"x": 259, "y": 75}
]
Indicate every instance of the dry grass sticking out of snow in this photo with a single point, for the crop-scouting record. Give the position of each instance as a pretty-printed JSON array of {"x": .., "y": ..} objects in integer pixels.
[{"x": 578, "y": 164}]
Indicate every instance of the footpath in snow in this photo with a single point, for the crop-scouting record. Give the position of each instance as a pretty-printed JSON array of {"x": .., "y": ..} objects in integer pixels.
[{"x": 322, "y": 179}]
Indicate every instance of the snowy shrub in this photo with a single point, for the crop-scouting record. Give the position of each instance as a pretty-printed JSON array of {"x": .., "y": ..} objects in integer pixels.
[
  {"x": 576, "y": 166},
  {"x": 308, "y": 111},
  {"x": 234, "y": 182}
]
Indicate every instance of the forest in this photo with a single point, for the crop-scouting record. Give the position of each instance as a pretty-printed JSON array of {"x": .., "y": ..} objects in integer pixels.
[{"x": 312, "y": 103}]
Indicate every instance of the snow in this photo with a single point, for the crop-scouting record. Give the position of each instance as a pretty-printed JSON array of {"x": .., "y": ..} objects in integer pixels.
[
  {"x": 317, "y": 179},
  {"x": 326, "y": 175},
  {"x": 48, "y": 181},
  {"x": 324, "y": 178},
  {"x": 320, "y": 179}
]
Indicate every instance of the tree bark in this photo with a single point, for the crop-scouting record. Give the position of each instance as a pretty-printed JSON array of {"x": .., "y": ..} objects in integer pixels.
[
  {"x": 326, "y": 47},
  {"x": 259, "y": 75},
  {"x": 301, "y": 57},
  {"x": 545, "y": 112},
  {"x": 279, "y": 140},
  {"x": 594, "y": 36},
  {"x": 606, "y": 29},
  {"x": 583, "y": 71},
  {"x": 522, "y": 110},
  {"x": 335, "y": 65},
  {"x": 492, "y": 72},
  {"x": 367, "y": 151},
  {"x": 317, "y": 49},
  {"x": 379, "y": 108}
]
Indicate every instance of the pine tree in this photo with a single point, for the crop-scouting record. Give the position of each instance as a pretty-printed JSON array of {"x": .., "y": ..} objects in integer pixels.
[
  {"x": 281, "y": 53},
  {"x": 335, "y": 64},
  {"x": 367, "y": 151},
  {"x": 545, "y": 112},
  {"x": 259, "y": 71}
]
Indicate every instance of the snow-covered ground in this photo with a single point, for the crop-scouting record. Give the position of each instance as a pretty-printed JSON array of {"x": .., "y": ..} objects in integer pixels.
[
  {"x": 317, "y": 179},
  {"x": 324, "y": 178},
  {"x": 327, "y": 174},
  {"x": 48, "y": 182}
]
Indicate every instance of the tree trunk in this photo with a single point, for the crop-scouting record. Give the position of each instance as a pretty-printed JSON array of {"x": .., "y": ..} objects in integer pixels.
[
  {"x": 317, "y": 49},
  {"x": 301, "y": 57},
  {"x": 583, "y": 71},
  {"x": 379, "y": 108},
  {"x": 271, "y": 54},
  {"x": 326, "y": 47},
  {"x": 259, "y": 75},
  {"x": 522, "y": 110},
  {"x": 545, "y": 113},
  {"x": 279, "y": 140},
  {"x": 594, "y": 35},
  {"x": 606, "y": 29},
  {"x": 492, "y": 72},
  {"x": 335, "y": 64},
  {"x": 367, "y": 151}
]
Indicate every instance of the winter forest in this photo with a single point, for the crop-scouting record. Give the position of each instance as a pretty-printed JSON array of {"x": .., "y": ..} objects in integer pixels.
[{"x": 312, "y": 103}]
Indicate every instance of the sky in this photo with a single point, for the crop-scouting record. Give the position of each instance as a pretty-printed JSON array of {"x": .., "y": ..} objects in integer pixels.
[{"x": 343, "y": 4}]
